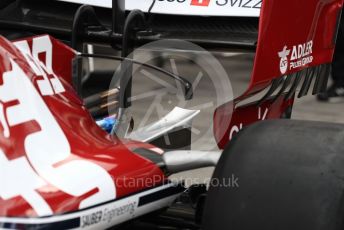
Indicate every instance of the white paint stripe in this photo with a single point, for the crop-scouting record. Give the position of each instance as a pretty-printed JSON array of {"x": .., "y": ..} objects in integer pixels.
[{"x": 139, "y": 211}]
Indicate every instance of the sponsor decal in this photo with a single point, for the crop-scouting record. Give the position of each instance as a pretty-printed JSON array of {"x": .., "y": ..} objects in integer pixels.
[
  {"x": 200, "y": 2},
  {"x": 244, "y": 8},
  {"x": 109, "y": 214},
  {"x": 241, "y": 8},
  {"x": 261, "y": 116},
  {"x": 46, "y": 150},
  {"x": 284, "y": 63},
  {"x": 298, "y": 56},
  {"x": 50, "y": 84},
  {"x": 104, "y": 215},
  {"x": 91, "y": 219},
  {"x": 253, "y": 4}
]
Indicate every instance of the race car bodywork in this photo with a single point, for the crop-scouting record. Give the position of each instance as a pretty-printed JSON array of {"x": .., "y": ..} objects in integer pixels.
[
  {"x": 298, "y": 54},
  {"x": 59, "y": 169},
  {"x": 54, "y": 158}
]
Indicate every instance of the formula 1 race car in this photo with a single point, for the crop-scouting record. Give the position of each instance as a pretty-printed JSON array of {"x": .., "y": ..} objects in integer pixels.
[{"x": 72, "y": 154}]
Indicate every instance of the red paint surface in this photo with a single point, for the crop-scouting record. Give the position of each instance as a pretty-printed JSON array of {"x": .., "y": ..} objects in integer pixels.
[
  {"x": 282, "y": 23},
  {"x": 87, "y": 140}
]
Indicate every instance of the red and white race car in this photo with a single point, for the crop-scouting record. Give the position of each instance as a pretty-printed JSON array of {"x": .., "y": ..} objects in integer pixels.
[{"x": 60, "y": 170}]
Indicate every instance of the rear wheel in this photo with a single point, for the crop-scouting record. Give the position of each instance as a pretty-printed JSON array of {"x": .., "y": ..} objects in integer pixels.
[{"x": 290, "y": 175}]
